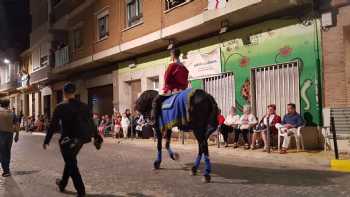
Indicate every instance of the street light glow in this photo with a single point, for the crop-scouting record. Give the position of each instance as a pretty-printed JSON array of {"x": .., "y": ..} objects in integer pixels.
[{"x": 6, "y": 61}]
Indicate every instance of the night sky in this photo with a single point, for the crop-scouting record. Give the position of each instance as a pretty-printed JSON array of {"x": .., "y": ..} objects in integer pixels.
[{"x": 14, "y": 25}]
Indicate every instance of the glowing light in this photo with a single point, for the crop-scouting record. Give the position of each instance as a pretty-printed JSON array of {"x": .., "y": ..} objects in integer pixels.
[{"x": 6, "y": 61}]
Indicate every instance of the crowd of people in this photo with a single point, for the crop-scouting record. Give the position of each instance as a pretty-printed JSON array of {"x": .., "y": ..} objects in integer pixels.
[
  {"x": 33, "y": 124},
  {"x": 122, "y": 125},
  {"x": 254, "y": 132}
]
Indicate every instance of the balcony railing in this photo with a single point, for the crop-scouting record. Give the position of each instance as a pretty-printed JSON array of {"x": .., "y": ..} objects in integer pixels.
[
  {"x": 9, "y": 85},
  {"x": 62, "y": 56}
]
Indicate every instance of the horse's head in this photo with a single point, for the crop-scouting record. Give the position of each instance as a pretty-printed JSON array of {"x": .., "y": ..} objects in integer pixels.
[{"x": 144, "y": 102}]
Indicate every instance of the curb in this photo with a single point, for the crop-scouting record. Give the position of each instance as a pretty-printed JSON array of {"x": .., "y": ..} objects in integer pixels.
[{"x": 340, "y": 165}]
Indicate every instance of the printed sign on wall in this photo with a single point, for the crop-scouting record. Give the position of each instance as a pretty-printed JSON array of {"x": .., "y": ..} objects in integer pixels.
[{"x": 203, "y": 64}]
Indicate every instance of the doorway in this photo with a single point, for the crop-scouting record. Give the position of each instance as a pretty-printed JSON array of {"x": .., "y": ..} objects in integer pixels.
[
  {"x": 100, "y": 100},
  {"x": 135, "y": 91},
  {"x": 47, "y": 106}
]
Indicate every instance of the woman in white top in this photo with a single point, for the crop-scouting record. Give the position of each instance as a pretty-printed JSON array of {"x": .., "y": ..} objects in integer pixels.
[
  {"x": 231, "y": 123},
  {"x": 247, "y": 122}
]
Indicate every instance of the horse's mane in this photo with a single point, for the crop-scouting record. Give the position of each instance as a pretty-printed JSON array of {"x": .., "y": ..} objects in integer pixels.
[{"x": 144, "y": 102}]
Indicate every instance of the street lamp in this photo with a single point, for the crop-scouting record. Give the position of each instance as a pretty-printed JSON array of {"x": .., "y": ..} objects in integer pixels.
[{"x": 6, "y": 61}]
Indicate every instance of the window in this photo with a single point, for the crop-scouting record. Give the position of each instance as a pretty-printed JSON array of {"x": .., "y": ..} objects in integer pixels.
[
  {"x": 77, "y": 38},
  {"x": 102, "y": 25},
  {"x": 222, "y": 88},
  {"x": 275, "y": 84},
  {"x": 155, "y": 83},
  {"x": 44, "y": 55},
  {"x": 134, "y": 12},
  {"x": 169, "y": 4}
]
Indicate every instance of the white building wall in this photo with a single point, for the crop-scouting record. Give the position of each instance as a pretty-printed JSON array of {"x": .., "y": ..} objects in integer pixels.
[{"x": 124, "y": 76}]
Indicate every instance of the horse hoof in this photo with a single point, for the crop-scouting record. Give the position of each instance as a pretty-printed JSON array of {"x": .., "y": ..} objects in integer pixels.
[
  {"x": 206, "y": 178},
  {"x": 194, "y": 171},
  {"x": 156, "y": 165},
  {"x": 175, "y": 156}
]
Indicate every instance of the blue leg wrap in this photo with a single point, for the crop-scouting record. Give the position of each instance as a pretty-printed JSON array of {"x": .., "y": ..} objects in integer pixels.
[
  {"x": 159, "y": 156},
  {"x": 207, "y": 165},
  {"x": 198, "y": 161},
  {"x": 171, "y": 152}
]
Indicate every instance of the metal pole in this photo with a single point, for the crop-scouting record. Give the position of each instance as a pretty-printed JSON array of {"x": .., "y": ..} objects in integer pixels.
[
  {"x": 183, "y": 137},
  {"x": 334, "y": 139},
  {"x": 268, "y": 135}
]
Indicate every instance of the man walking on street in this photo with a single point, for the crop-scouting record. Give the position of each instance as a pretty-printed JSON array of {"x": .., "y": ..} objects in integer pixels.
[
  {"x": 74, "y": 119},
  {"x": 7, "y": 128}
]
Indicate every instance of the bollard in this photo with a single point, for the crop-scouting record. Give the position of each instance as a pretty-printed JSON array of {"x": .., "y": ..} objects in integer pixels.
[{"x": 334, "y": 139}]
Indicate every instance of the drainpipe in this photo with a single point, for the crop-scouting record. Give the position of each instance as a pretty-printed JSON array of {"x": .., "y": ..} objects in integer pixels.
[{"x": 318, "y": 69}]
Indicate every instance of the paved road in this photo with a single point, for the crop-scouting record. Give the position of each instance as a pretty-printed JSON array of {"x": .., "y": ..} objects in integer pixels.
[{"x": 125, "y": 170}]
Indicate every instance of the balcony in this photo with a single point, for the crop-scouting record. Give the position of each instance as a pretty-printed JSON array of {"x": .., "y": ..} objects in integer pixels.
[
  {"x": 9, "y": 86},
  {"x": 62, "y": 9},
  {"x": 62, "y": 57}
]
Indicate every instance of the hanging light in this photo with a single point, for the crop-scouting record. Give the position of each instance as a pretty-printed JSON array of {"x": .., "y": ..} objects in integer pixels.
[{"x": 7, "y": 61}]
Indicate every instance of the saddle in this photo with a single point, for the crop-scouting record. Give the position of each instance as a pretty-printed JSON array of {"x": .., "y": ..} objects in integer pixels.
[{"x": 169, "y": 102}]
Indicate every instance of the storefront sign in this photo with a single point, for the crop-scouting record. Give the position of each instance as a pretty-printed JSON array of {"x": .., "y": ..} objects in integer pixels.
[{"x": 203, "y": 64}]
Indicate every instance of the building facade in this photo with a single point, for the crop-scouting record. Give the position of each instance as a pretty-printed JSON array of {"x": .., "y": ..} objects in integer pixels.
[
  {"x": 114, "y": 50},
  {"x": 336, "y": 53}
]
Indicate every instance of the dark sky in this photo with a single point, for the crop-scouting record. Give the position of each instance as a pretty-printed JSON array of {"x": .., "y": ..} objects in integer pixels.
[{"x": 14, "y": 25}]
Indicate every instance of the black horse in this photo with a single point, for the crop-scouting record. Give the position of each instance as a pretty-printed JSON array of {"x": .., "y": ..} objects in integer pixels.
[{"x": 202, "y": 112}]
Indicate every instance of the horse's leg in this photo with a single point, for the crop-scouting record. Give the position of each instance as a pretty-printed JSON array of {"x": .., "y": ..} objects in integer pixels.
[
  {"x": 205, "y": 149},
  {"x": 197, "y": 162},
  {"x": 173, "y": 155},
  {"x": 157, "y": 162}
]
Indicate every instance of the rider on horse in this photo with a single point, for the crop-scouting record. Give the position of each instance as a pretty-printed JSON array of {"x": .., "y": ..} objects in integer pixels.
[{"x": 175, "y": 80}]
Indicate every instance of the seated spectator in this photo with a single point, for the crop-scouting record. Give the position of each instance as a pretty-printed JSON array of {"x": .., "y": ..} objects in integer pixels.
[
  {"x": 31, "y": 124},
  {"x": 290, "y": 123},
  {"x": 247, "y": 122},
  {"x": 270, "y": 119},
  {"x": 39, "y": 124},
  {"x": 230, "y": 123}
]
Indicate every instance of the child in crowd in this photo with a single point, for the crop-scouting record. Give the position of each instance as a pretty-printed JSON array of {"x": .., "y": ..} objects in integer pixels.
[{"x": 125, "y": 123}]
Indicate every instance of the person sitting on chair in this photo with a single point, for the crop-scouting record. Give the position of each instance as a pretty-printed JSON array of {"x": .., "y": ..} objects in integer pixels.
[
  {"x": 270, "y": 119},
  {"x": 175, "y": 80},
  {"x": 291, "y": 121}
]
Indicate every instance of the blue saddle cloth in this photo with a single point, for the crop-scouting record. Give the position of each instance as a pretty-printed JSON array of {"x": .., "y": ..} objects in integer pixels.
[{"x": 175, "y": 110}]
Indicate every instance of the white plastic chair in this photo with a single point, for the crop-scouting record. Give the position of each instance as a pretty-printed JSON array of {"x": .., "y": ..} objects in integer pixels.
[
  {"x": 327, "y": 135},
  {"x": 299, "y": 141}
]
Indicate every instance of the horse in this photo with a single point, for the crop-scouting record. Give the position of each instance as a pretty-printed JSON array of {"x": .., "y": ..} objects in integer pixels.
[{"x": 202, "y": 114}]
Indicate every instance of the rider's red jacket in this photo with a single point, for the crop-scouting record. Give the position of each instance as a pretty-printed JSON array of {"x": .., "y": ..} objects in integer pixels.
[{"x": 175, "y": 78}]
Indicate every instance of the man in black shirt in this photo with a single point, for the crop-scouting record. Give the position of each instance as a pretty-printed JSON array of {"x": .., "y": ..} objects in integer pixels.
[{"x": 67, "y": 117}]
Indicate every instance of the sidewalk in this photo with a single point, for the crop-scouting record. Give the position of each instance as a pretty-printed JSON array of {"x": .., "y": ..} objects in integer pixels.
[{"x": 315, "y": 160}]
